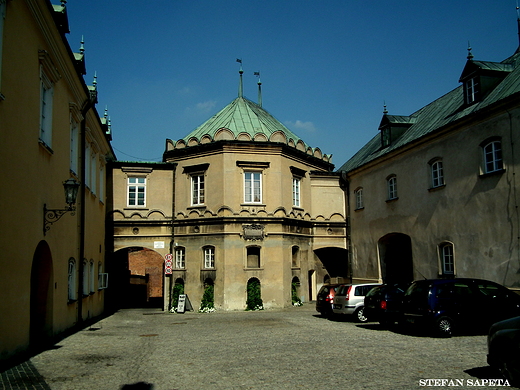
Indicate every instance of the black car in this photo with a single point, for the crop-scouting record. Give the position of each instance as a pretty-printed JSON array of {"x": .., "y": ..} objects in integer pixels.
[
  {"x": 325, "y": 298},
  {"x": 383, "y": 303},
  {"x": 447, "y": 305},
  {"x": 504, "y": 349}
]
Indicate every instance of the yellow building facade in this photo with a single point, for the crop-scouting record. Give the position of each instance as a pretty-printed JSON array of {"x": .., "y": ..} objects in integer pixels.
[{"x": 52, "y": 266}]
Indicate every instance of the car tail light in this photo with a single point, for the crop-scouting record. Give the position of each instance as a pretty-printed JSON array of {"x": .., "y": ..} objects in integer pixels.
[
  {"x": 382, "y": 304},
  {"x": 348, "y": 293},
  {"x": 329, "y": 298}
]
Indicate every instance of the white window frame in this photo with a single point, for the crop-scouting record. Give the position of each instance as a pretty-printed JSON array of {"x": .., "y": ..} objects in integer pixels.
[
  {"x": 209, "y": 257},
  {"x": 134, "y": 186},
  {"x": 86, "y": 274},
  {"x": 437, "y": 173},
  {"x": 180, "y": 258},
  {"x": 447, "y": 258},
  {"x": 358, "y": 196},
  {"x": 197, "y": 189},
  {"x": 46, "y": 102},
  {"x": 253, "y": 187},
  {"x": 91, "y": 277},
  {"x": 102, "y": 278},
  {"x": 492, "y": 154},
  {"x": 472, "y": 90},
  {"x": 392, "y": 187},
  {"x": 296, "y": 191},
  {"x": 72, "y": 275},
  {"x": 74, "y": 146}
]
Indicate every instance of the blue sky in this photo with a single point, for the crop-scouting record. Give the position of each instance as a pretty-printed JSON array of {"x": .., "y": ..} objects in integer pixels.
[{"x": 327, "y": 68}]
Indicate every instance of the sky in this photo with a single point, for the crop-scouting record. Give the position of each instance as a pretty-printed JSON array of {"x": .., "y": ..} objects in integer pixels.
[{"x": 327, "y": 67}]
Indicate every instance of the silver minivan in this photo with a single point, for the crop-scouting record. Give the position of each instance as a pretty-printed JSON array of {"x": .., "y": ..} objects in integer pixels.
[{"x": 350, "y": 299}]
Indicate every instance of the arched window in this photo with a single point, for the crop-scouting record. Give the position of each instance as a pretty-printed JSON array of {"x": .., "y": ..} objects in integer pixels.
[
  {"x": 391, "y": 183},
  {"x": 86, "y": 274},
  {"x": 295, "y": 263},
  {"x": 492, "y": 156},
  {"x": 358, "y": 196},
  {"x": 253, "y": 257},
  {"x": 209, "y": 257},
  {"x": 72, "y": 279},
  {"x": 436, "y": 173},
  {"x": 91, "y": 276},
  {"x": 447, "y": 259}
]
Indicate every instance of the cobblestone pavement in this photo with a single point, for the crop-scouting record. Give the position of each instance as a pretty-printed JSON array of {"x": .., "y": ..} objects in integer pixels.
[{"x": 292, "y": 348}]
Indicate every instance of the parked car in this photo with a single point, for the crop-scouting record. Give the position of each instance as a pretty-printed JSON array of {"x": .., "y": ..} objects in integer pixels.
[
  {"x": 325, "y": 298},
  {"x": 448, "y": 305},
  {"x": 504, "y": 349},
  {"x": 384, "y": 303},
  {"x": 350, "y": 299}
]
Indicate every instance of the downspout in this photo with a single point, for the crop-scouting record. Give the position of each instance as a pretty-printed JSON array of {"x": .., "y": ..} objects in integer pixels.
[
  {"x": 89, "y": 103},
  {"x": 346, "y": 187},
  {"x": 172, "y": 242}
]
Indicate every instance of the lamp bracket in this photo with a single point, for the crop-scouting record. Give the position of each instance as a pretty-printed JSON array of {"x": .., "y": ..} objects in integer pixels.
[{"x": 52, "y": 215}]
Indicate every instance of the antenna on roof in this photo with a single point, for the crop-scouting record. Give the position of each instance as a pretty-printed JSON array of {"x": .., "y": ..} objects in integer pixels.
[
  {"x": 470, "y": 55},
  {"x": 259, "y": 89},
  {"x": 240, "y": 85}
]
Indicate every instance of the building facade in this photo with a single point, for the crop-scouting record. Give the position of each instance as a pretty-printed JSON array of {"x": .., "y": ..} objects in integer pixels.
[
  {"x": 52, "y": 266},
  {"x": 141, "y": 221},
  {"x": 435, "y": 194},
  {"x": 253, "y": 205}
]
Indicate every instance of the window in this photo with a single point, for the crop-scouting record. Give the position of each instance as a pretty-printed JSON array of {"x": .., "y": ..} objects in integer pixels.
[
  {"x": 91, "y": 277},
  {"x": 46, "y": 97},
  {"x": 492, "y": 156},
  {"x": 197, "y": 190},
  {"x": 358, "y": 195},
  {"x": 437, "y": 174},
  {"x": 72, "y": 280},
  {"x": 253, "y": 257},
  {"x": 472, "y": 90},
  {"x": 102, "y": 183},
  {"x": 447, "y": 260},
  {"x": 88, "y": 152},
  {"x": 180, "y": 258},
  {"x": 93, "y": 173},
  {"x": 136, "y": 191},
  {"x": 102, "y": 277},
  {"x": 392, "y": 187},
  {"x": 74, "y": 145},
  {"x": 252, "y": 187},
  {"x": 295, "y": 260},
  {"x": 86, "y": 274},
  {"x": 209, "y": 257},
  {"x": 385, "y": 137},
  {"x": 296, "y": 191}
]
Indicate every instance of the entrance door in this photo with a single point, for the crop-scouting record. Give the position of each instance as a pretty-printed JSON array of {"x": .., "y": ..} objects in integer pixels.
[{"x": 41, "y": 297}]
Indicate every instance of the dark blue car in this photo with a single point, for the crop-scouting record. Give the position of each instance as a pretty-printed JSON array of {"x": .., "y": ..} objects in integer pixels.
[{"x": 461, "y": 304}]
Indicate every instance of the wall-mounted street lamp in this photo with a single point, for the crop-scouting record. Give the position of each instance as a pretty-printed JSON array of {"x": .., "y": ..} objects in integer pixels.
[{"x": 50, "y": 216}]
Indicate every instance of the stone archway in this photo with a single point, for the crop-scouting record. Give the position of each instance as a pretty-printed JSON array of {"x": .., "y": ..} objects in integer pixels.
[
  {"x": 42, "y": 292},
  {"x": 395, "y": 257},
  {"x": 137, "y": 278}
]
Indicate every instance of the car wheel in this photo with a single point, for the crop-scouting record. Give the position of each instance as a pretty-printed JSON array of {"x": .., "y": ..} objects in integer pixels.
[
  {"x": 360, "y": 316},
  {"x": 444, "y": 326}
]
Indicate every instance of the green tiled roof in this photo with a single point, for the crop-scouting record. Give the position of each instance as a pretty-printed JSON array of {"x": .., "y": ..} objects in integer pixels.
[
  {"x": 442, "y": 112},
  {"x": 242, "y": 116}
]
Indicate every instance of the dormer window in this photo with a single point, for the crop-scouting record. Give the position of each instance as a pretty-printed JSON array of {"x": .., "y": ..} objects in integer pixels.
[{"x": 472, "y": 89}]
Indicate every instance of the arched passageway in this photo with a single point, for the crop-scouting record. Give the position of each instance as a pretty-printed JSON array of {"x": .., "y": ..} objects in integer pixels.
[
  {"x": 137, "y": 278},
  {"x": 395, "y": 255}
]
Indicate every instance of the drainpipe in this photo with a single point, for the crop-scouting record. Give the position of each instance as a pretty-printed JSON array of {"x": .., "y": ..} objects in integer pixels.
[
  {"x": 172, "y": 242},
  {"x": 89, "y": 103}
]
